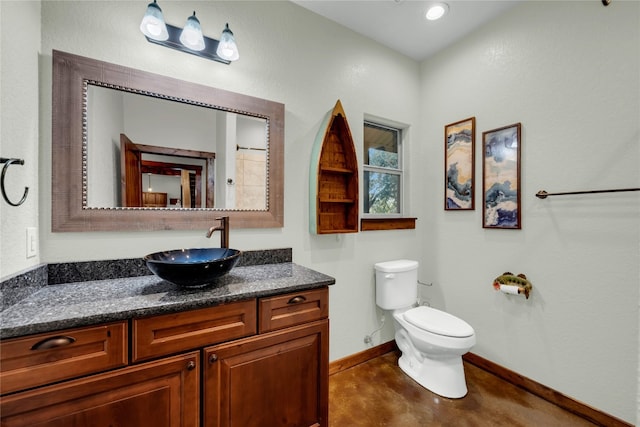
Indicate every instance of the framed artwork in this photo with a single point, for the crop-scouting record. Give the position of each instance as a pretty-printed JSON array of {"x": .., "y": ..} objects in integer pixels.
[
  {"x": 501, "y": 177},
  {"x": 459, "y": 165}
]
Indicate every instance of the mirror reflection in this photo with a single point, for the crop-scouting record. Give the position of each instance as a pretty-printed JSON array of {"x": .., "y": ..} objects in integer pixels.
[{"x": 133, "y": 159}]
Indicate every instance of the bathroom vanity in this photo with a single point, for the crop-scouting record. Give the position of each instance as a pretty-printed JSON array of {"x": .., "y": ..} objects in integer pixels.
[{"x": 139, "y": 351}]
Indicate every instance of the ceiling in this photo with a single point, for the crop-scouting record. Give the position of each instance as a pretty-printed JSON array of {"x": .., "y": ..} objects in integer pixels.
[{"x": 401, "y": 25}]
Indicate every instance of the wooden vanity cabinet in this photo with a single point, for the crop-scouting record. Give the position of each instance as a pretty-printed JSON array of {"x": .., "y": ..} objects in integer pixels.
[{"x": 257, "y": 362}]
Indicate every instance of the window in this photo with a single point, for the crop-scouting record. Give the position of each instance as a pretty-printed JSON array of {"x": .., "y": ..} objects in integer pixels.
[{"x": 382, "y": 171}]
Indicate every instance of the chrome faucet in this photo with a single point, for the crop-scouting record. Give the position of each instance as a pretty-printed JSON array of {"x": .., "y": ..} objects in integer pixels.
[{"x": 224, "y": 231}]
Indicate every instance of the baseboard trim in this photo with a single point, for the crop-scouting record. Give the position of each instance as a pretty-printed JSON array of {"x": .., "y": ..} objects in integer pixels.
[
  {"x": 361, "y": 357},
  {"x": 565, "y": 402}
]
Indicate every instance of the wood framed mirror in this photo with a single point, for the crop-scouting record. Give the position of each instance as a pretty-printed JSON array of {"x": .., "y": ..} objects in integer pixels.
[{"x": 87, "y": 179}]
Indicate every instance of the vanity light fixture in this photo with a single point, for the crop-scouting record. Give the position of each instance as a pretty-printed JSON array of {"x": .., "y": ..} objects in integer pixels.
[
  {"x": 190, "y": 39},
  {"x": 437, "y": 11}
]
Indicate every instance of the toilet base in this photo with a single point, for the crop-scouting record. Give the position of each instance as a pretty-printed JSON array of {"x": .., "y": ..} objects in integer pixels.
[{"x": 443, "y": 376}]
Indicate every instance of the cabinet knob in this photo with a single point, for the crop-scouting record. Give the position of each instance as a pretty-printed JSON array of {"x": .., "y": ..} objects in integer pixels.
[
  {"x": 191, "y": 365},
  {"x": 297, "y": 300},
  {"x": 213, "y": 358}
]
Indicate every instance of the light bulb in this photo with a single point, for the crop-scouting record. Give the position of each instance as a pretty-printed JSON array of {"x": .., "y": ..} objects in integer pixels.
[
  {"x": 191, "y": 35},
  {"x": 153, "y": 25},
  {"x": 227, "y": 48},
  {"x": 437, "y": 11}
]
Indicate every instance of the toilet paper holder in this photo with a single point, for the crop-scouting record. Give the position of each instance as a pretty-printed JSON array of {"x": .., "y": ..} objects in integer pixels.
[{"x": 509, "y": 283}]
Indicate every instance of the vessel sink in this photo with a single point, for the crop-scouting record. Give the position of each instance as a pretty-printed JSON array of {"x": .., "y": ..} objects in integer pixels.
[{"x": 192, "y": 268}]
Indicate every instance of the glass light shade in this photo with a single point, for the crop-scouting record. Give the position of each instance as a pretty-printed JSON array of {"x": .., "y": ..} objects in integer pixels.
[
  {"x": 191, "y": 35},
  {"x": 437, "y": 11},
  {"x": 227, "y": 48},
  {"x": 153, "y": 25}
]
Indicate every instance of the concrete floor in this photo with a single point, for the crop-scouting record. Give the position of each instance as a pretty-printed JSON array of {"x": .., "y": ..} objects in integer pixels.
[{"x": 378, "y": 393}]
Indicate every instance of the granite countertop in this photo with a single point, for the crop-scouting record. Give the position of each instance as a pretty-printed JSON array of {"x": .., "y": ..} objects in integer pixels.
[{"x": 69, "y": 305}]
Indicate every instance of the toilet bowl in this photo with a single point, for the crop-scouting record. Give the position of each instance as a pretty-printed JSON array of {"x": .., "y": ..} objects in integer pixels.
[{"x": 432, "y": 341}]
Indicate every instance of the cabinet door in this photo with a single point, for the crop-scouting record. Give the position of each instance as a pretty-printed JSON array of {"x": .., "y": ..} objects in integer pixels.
[
  {"x": 275, "y": 379},
  {"x": 158, "y": 394}
]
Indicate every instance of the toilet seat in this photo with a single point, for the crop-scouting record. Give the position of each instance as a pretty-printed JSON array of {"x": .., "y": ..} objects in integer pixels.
[{"x": 438, "y": 322}]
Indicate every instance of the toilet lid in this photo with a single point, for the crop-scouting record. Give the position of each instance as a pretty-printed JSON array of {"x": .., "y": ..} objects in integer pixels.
[{"x": 438, "y": 322}]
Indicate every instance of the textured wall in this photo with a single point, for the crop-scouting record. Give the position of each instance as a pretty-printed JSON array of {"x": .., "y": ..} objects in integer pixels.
[
  {"x": 569, "y": 71},
  {"x": 19, "y": 47}
]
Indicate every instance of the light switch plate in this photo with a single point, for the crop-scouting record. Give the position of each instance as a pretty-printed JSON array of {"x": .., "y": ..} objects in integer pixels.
[{"x": 32, "y": 242}]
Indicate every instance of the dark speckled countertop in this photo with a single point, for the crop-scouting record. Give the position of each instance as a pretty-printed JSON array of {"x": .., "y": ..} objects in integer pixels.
[{"x": 69, "y": 305}]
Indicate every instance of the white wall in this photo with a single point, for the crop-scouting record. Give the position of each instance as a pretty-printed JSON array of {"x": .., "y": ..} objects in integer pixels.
[
  {"x": 569, "y": 71},
  {"x": 19, "y": 129}
]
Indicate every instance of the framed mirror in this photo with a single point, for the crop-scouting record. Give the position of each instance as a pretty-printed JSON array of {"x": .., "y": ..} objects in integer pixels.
[{"x": 132, "y": 150}]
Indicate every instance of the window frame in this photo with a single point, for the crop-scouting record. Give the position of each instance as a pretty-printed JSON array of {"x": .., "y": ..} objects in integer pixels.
[
  {"x": 400, "y": 171},
  {"x": 396, "y": 221}
]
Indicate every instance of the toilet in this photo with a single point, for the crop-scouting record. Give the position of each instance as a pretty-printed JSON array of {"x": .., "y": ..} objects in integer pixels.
[{"x": 432, "y": 341}]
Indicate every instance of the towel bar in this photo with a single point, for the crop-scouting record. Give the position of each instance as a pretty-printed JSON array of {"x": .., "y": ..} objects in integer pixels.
[{"x": 542, "y": 194}]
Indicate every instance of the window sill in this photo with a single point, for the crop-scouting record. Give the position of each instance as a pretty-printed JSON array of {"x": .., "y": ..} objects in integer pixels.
[{"x": 371, "y": 224}]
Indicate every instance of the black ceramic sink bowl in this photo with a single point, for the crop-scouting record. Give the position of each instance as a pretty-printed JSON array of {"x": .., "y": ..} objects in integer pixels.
[{"x": 192, "y": 268}]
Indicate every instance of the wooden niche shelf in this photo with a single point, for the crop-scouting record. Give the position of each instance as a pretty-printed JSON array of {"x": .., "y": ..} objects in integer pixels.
[{"x": 333, "y": 181}]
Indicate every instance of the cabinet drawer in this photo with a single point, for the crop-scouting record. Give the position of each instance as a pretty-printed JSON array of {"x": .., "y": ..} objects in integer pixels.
[
  {"x": 173, "y": 333},
  {"x": 46, "y": 358},
  {"x": 291, "y": 309}
]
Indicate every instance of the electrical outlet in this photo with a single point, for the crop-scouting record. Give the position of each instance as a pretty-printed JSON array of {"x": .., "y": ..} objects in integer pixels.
[{"x": 32, "y": 242}]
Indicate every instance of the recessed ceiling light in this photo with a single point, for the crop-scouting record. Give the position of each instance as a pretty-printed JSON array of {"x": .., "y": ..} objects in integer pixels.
[{"x": 437, "y": 11}]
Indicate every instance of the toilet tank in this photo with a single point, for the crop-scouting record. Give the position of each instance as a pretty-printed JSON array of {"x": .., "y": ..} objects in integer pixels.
[{"x": 396, "y": 283}]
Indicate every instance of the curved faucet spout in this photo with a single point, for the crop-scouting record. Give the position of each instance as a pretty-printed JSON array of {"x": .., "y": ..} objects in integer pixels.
[{"x": 224, "y": 231}]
